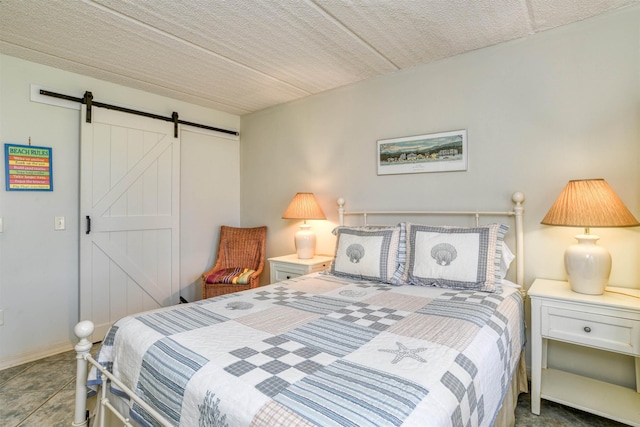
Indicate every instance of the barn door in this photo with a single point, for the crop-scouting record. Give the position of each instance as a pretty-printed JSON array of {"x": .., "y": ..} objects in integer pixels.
[{"x": 129, "y": 216}]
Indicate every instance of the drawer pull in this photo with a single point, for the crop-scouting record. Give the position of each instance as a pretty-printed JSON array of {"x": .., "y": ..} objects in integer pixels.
[{"x": 587, "y": 329}]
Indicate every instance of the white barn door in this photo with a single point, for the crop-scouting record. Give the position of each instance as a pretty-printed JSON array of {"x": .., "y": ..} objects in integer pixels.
[{"x": 129, "y": 216}]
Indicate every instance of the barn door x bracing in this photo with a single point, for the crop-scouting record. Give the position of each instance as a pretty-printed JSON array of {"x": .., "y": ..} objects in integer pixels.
[{"x": 129, "y": 212}]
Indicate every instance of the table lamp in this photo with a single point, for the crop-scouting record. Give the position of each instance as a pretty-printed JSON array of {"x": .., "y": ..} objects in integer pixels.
[
  {"x": 588, "y": 203},
  {"x": 304, "y": 206}
]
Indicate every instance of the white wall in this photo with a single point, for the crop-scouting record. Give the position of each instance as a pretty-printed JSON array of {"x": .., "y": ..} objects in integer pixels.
[
  {"x": 39, "y": 266},
  {"x": 539, "y": 111},
  {"x": 210, "y": 197}
]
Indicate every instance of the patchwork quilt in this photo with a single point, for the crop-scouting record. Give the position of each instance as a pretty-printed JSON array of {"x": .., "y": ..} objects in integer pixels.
[{"x": 322, "y": 350}]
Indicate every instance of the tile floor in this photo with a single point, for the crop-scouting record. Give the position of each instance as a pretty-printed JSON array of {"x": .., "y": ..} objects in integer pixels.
[
  {"x": 41, "y": 394},
  {"x": 556, "y": 415}
]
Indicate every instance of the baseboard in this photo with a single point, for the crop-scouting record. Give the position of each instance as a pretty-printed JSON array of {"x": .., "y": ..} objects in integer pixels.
[{"x": 50, "y": 350}]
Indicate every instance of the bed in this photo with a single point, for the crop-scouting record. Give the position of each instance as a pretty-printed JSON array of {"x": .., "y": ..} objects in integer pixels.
[{"x": 414, "y": 325}]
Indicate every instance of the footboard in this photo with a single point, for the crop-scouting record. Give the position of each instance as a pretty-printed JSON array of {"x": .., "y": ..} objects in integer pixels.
[
  {"x": 84, "y": 359},
  {"x": 82, "y": 330}
]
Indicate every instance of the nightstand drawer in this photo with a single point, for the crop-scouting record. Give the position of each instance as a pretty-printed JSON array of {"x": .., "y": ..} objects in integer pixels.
[
  {"x": 282, "y": 274},
  {"x": 590, "y": 329}
]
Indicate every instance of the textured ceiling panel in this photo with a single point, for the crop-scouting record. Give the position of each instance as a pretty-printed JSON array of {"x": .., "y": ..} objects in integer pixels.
[
  {"x": 74, "y": 67},
  {"x": 416, "y": 32},
  {"x": 550, "y": 14},
  {"x": 129, "y": 48},
  {"x": 288, "y": 40},
  {"x": 241, "y": 56}
]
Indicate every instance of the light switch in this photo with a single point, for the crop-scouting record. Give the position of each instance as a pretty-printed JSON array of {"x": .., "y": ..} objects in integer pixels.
[{"x": 59, "y": 223}]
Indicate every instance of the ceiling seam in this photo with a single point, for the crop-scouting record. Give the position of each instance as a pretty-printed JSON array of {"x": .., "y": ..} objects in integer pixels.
[
  {"x": 101, "y": 70},
  {"x": 531, "y": 15},
  {"x": 196, "y": 46},
  {"x": 351, "y": 33}
]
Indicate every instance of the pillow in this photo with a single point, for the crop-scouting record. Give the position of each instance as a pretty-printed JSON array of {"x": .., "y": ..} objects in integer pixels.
[
  {"x": 455, "y": 257},
  {"x": 505, "y": 260},
  {"x": 234, "y": 275},
  {"x": 399, "y": 277},
  {"x": 366, "y": 253}
]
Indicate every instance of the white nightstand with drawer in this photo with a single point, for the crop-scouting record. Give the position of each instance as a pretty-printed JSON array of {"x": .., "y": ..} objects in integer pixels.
[
  {"x": 290, "y": 266},
  {"x": 609, "y": 322}
]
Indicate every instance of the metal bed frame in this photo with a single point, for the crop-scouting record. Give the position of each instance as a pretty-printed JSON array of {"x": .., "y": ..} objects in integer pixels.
[
  {"x": 85, "y": 328},
  {"x": 517, "y": 212}
]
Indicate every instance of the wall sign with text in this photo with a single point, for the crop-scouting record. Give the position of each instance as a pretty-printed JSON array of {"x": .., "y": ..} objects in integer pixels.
[{"x": 28, "y": 168}]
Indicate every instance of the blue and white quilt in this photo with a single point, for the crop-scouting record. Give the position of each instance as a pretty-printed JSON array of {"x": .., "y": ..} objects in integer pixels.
[{"x": 322, "y": 350}]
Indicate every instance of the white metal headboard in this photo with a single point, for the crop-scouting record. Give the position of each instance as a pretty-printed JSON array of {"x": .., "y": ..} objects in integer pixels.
[{"x": 517, "y": 213}]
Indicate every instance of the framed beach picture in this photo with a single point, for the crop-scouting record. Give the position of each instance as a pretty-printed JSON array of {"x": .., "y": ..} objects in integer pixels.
[{"x": 436, "y": 152}]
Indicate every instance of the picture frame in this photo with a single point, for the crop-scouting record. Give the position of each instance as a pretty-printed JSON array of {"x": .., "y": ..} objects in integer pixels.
[
  {"x": 436, "y": 152},
  {"x": 28, "y": 168}
]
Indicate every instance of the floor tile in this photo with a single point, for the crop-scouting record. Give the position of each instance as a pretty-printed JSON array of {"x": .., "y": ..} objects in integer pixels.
[
  {"x": 58, "y": 411},
  {"x": 556, "y": 415},
  {"x": 7, "y": 374},
  {"x": 15, "y": 407},
  {"x": 41, "y": 377},
  {"x": 68, "y": 357}
]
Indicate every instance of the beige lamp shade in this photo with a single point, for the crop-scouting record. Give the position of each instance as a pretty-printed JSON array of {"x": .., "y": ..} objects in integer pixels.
[
  {"x": 588, "y": 203},
  {"x": 304, "y": 206}
]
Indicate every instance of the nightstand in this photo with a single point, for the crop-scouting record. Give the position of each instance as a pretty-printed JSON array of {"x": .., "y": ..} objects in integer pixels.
[
  {"x": 609, "y": 322},
  {"x": 290, "y": 266}
]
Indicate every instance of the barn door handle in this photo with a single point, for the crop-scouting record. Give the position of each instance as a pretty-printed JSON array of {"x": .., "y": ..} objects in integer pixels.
[{"x": 88, "y": 224}]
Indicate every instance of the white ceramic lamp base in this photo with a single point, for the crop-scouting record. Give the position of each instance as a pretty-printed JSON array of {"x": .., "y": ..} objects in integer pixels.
[
  {"x": 588, "y": 265},
  {"x": 305, "y": 242}
]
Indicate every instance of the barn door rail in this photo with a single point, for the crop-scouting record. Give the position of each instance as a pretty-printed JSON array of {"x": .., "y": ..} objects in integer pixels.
[{"x": 88, "y": 100}]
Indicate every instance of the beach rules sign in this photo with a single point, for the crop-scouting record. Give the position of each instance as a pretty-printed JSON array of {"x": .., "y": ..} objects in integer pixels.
[{"x": 28, "y": 168}]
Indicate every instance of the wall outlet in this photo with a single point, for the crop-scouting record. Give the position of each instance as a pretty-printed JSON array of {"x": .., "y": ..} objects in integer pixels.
[{"x": 59, "y": 223}]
